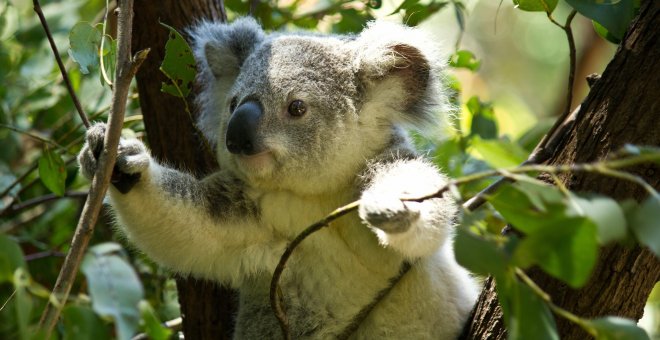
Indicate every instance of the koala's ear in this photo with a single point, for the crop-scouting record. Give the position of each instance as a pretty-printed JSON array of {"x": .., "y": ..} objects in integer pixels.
[
  {"x": 404, "y": 67},
  {"x": 221, "y": 49}
]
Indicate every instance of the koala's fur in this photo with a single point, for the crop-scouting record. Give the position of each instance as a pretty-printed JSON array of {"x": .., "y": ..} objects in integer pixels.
[{"x": 233, "y": 226}]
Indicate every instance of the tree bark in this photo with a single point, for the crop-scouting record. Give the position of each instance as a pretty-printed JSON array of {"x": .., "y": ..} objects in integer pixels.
[
  {"x": 622, "y": 107},
  {"x": 207, "y": 309}
]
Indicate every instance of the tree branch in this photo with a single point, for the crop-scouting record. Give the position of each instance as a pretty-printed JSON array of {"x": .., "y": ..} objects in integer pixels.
[
  {"x": 65, "y": 76},
  {"x": 125, "y": 71}
]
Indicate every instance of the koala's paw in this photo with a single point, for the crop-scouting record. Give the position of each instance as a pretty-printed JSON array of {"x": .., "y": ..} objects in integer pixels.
[
  {"x": 387, "y": 212},
  {"x": 132, "y": 155}
]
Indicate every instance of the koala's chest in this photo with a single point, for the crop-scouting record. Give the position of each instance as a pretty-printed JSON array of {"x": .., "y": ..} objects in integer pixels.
[{"x": 288, "y": 214}]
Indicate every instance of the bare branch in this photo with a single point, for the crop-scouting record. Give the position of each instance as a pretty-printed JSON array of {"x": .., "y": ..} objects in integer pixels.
[
  {"x": 65, "y": 76},
  {"x": 125, "y": 71},
  {"x": 40, "y": 200}
]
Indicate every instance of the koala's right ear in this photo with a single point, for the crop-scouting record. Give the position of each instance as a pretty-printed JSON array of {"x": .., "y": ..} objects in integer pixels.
[{"x": 221, "y": 49}]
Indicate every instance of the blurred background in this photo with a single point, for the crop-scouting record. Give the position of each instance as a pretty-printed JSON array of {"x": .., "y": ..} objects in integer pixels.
[{"x": 516, "y": 79}]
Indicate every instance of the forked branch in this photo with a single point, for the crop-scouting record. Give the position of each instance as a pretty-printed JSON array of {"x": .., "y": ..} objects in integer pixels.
[{"x": 126, "y": 68}]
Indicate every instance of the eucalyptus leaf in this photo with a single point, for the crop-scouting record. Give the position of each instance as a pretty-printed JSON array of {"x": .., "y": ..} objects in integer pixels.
[
  {"x": 151, "y": 324},
  {"x": 567, "y": 250},
  {"x": 178, "y": 65},
  {"x": 84, "y": 42},
  {"x": 615, "y": 17},
  {"x": 606, "y": 214},
  {"x": 52, "y": 171},
  {"x": 417, "y": 13},
  {"x": 529, "y": 207},
  {"x": 526, "y": 315},
  {"x": 115, "y": 290},
  {"x": 479, "y": 255},
  {"x": 499, "y": 153},
  {"x": 616, "y": 328},
  {"x": 82, "y": 323},
  {"x": 547, "y": 6},
  {"x": 645, "y": 224},
  {"x": 483, "y": 118},
  {"x": 11, "y": 258},
  {"x": 464, "y": 59}
]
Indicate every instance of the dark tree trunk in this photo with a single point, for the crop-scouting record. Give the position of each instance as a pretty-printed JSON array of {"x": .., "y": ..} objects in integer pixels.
[
  {"x": 622, "y": 107},
  {"x": 207, "y": 308}
]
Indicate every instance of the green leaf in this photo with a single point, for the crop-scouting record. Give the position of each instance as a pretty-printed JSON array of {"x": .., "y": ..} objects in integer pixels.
[
  {"x": 645, "y": 224},
  {"x": 11, "y": 258},
  {"x": 352, "y": 21},
  {"x": 52, "y": 171},
  {"x": 528, "y": 206},
  {"x": 604, "y": 33},
  {"x": 616, "y": 328},
  {"x": 478, "y": 254},
  {"x": 406, "y": 4},
  {"x": 567, "y": 250},
  {"x": 615, "y": 17},
  {"x": 499, "y": 153},
  {"x": 484, "y": 124},
  {"x": 178, "y": 65},
  {"x": 115, "y": 289},
  {"x": 536, "y": 5},
  {"x": 464, "y": 59},
  {"x": 82, "y": 323},
  {"x": 605, "y": 213},
  {"x": 152, "y": 326},
  {"x": 417, "y": 13},
  {"x": 84, "y": 42},
  {"x": 526, "y": 315}
]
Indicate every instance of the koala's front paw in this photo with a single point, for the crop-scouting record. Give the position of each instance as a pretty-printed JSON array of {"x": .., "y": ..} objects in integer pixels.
[
  {"x": 387, "y": 212},
  {"x": 132, "y": 158}
]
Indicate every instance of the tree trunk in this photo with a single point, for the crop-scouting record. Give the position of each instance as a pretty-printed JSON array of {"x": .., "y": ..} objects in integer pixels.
[
  {"x": 206, "y": 308},
  {"x": 622, "y": 107}
]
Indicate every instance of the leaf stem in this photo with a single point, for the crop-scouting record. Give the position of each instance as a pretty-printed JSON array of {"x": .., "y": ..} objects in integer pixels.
[
  {"x": 548, "y": 300},
  {"x": 65, "y": 76}
]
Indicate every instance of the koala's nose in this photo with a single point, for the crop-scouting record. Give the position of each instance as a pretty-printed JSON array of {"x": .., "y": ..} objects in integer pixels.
[{"x": 242, "y": 129}]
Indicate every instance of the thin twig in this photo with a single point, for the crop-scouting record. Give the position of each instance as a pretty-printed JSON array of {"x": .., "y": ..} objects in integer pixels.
[
  {"x": 548, "y": 300},
  {"x": 31, "y": 135},
  {"x": 65, "y": 76},
  {"x": 542, "y": 152},
  {"x": 42, "y": 199},
  {"x": 126, "y": 68},
  {"x": 275, "y": 293}
]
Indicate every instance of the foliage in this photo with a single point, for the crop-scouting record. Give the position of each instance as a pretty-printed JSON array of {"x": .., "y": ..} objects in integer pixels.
[{"x": 122, "y": 293}]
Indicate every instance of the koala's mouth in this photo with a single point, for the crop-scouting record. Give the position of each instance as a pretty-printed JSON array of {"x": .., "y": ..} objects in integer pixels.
[{"x": 262, "y": 161}]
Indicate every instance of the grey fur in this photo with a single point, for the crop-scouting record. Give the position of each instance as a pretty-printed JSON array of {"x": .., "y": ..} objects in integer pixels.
[{"x": 232, "y": 226}]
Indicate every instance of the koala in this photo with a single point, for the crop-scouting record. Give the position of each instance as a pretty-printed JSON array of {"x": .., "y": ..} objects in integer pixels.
[{"x": 302, "y": 124}]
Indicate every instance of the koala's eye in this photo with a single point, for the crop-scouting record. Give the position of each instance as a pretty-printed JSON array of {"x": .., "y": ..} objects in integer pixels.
[
  {"x": 297, "y": 108},
  {"x": 232, "y": 105}
]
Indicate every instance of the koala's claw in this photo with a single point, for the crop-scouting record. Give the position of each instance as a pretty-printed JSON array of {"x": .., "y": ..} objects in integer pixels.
[
  {"x": 389, "y": 214},
  {"x": 132, "y": 158}
]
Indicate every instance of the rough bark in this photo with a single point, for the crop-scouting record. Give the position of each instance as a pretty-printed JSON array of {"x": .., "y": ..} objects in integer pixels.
[
  {"x": 207, "y": 308},
  {"x": 622, "y": 107}
]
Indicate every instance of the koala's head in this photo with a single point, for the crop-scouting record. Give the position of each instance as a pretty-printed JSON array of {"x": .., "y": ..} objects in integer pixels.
[{"x": 305, "y": 112}]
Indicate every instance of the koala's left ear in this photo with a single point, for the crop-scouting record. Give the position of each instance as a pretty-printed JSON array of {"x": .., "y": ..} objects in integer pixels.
[
  {"x": 404, "y": 66},
  {"x": 222, "y": 48}
]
